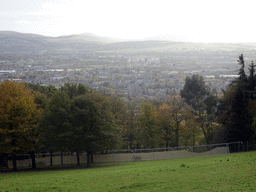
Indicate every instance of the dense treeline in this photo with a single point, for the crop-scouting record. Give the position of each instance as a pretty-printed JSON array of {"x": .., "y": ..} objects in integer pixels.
[
  {"x": 72, "y": 118},
  {"x": 237, "y": 108}
]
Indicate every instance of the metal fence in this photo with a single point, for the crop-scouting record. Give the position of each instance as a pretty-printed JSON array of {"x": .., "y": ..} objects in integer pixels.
[{"x": 134, "y": 154}]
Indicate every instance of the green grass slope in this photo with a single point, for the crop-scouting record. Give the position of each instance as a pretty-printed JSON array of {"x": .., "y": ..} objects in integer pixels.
[{"x": 232, "y": 172}]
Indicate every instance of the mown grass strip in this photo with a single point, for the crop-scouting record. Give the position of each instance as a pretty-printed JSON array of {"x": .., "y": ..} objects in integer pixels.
[{"x": 232, "y": 172}]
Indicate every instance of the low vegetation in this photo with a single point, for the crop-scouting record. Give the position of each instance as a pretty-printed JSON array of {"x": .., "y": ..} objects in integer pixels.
[{"x": 232, "y": 172}]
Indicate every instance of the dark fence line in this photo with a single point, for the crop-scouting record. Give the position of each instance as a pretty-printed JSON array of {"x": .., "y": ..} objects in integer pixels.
[{"x": 44, "y": 159}]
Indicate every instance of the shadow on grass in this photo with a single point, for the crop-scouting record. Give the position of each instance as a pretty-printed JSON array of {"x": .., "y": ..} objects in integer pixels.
[{"x": 58, "y": 167}]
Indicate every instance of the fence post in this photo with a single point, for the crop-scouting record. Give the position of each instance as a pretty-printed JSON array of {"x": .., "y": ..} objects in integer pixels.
[
  {"x": 113, "y": 155},
  {"x": 51, "y": 159},
  {"x": 61, "y": 158},
  {"x": 153, "y": 155}
]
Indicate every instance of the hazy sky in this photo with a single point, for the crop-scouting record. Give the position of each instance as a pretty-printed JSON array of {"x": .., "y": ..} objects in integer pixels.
[{"x": 181, "y": 20}]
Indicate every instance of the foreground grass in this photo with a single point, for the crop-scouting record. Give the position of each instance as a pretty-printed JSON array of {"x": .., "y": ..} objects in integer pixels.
[{"x": 232, "y": 172}]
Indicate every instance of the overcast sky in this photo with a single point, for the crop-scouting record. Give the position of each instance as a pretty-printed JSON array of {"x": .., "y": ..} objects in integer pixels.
[{"x": 180, "y": 20}]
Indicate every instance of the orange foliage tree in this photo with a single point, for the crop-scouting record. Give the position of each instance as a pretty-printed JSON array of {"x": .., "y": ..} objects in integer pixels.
[
  {"x": 130, "y": 130},
  {"x": 178, "y": 113},
  {"x": 151, "y": 135},
  {"x": 189, "y": 129},
  {"x": 18, "y": 119},
  {"x": 166, "y": 123}
]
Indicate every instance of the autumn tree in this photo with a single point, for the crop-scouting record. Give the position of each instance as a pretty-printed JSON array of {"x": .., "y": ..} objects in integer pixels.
[
  {"x": 151, "y": 135},
  {"x": 130, "y": 132},
  {"x": 119, "y": 110},
  {"x": 178, "y": 112},
  {"x": 125, "y": 118},
  {"x": 166, "y": 123},
  {"x": 171, "y": 117},
  {"x": 18, "y": 119},
  {"x": 189, "y": 129}
]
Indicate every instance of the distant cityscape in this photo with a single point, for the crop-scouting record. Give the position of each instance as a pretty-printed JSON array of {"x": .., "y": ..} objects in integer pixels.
[
  {"x": 145, "y": 69},
  {"x": 125, "y": 76}
]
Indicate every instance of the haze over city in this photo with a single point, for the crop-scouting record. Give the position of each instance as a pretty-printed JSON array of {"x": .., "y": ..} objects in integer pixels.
[{"x": 184, "y": 20}]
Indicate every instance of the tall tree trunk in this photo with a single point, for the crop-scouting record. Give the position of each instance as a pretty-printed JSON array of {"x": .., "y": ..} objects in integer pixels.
[
  {"x": 202, "y": 127},
  {"x": 92, "y": 157},
  {"x": 88, "y": 159},
  {"x": 166, "y": 138},
  {"x": 205, "y": 135},
  {"x": 193, "y": 140},
  {"x": 61, "y": 157},
  {"x": 177, "y": 134},
  {"x": 33, "y": 159},
  {"x": 51, "y": 158},
  {"x": 4, "y": 160},
  {"x": 131, "y": 138},
  {"x": 14, "y": 162},
  {"x": 78, "y": 158}
]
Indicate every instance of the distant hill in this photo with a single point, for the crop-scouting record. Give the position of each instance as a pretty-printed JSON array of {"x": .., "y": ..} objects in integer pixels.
[
  {"x": 24, "y": 42},
  {"x": 15, "y": 42},
  {"x": 138, "y": 44},
  {"x": 154, "y": 46},
  {"x": 19, "y": 42}
]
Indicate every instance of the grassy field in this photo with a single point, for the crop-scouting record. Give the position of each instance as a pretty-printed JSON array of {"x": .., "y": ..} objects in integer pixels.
[{"x": 232, "y": 172}]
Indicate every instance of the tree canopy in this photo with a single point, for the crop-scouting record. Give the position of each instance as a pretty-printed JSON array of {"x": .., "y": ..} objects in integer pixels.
[
  {"x": 236, "y": 111},
  {"x": 18, "y": 119},
  {"x": 75, "y": 119},
  {"x": 204, "y": 104}
]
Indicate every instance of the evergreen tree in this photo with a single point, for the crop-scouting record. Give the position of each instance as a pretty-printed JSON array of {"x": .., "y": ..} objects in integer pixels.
[
  {"x": 234, "y": 113},
  {"x": 251, "y": 83},
  {"x": 194, "y": 90},
  {"x": 204, "y": 104},
  {"x": 242, "y": 75}
]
